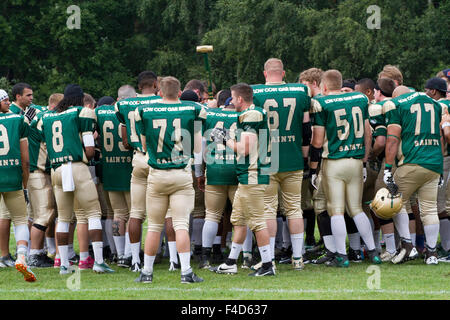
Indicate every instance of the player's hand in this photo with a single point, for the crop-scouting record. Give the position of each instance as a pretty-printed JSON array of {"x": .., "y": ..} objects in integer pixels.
[
  {"x": 364, "y": 172},
  {"x": 201, "y": 183},
  {"x": 220, "y": 135},
  {"x": 389, "y": 181},
  {"x": 441, "y": 181},
  {"x": 25, "y": 194},
  {"x": 31, "y": 112}
]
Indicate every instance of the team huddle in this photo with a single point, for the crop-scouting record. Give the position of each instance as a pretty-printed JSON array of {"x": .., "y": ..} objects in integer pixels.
[{"x": 365, "y": 160}]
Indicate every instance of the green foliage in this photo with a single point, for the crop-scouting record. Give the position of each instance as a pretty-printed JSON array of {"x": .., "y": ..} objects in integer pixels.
[{"x": 119, "y": 39}]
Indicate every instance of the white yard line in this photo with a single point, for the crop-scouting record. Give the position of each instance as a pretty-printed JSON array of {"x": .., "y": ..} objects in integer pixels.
[{"x": 231, "y": 290}]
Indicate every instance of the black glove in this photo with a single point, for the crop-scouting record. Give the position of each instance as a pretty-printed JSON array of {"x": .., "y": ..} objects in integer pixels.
[
  {"x": 220, "y": 135},
  {"x": 389, "y": 181},
  {"x": 31, "y": 112},
  {"x": 25, "y": 194}
]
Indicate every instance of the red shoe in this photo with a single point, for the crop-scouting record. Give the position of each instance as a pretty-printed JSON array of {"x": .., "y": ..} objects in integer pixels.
[{"x": 88, "y": 263}]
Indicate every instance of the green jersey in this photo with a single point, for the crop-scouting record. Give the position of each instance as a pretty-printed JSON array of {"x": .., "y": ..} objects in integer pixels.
[
  {"x": 169, "y": 132},
  {"x": 63, "y": 131},
  {"x": 376, "y": 119},
  {"x": 13, "y": 130},
  {"x": 18, "y": 110},
  {"x": 115, "y": 158},
  {"x": 125, "y": 113},
  {"x": 343, "y": 117},
  {"x": 36, "y": 147},
  {"x": 254, "y": 167},
  {"x": 220, "y": 166},
  {"x": 285, "y": 104},
  {"x": 418, "y": 116}
]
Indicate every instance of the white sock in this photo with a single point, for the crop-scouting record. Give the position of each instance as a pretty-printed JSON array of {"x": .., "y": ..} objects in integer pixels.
[
  {"x": 248, "y": 242},
  {"x": 365, "y": 230},
  {"x": 84, "y": 255},
  {"x": 51, "y": 245},
  {"x": 413, "y": 239},
  {"x": 235, "y": 250},
  {"x": 339, "y": 233},
  {"x": 35, "y": 251},
  {"x": 209, "y": 233},
  {"x": 376, "y": 238},
  {"x": 328, "y": 241},
  {"x": 64, "y": 254},
  {"x": 401, "y": 222},
  {"x": 185, "y": 261},
  {"x": 148, "y": 263},
  {"x": 197, "y": 229},
  {"x": 272, "y": 247},
  {"x": 135, "y": 250},
  {"x": 354, "y": 240},
  {"x": 431, "y": 234},
  {"x": 286, "y": 235},
  {"x": 98, "y": 251},
  {"x": 389, "y": 239},
  {"x": 173, "y": 251},
  {"x": 127, "y": 250},
  {"x": 119, "y": 242},
  {"x": 218, "y": 240},
  {"x": 71, "y": 251},
  {"x": 297, "y": 245},
  {"x": 444, "y": 230},
  {"x": 265, "y": 253},
  {"x": 109, "y": 235}
]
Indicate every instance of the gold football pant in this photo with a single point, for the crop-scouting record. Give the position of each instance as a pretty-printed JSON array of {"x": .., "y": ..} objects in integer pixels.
[
  {"x": 248, "y": 207},
  {"x": 138, "y": 187},
  {"x": 343, "y": 185},
  {"x": 411, "y": 178},
  {"x": 121, "y": 204},
  {"x": 443, "y": 199},
  {"x": 42, "y": 199},
  {"x": 216, "y": 199},
  {"x": 85, "y": 195},
  {"x": 290, "y": 186},
  {"x": 14, "y": 207},
  {"x": 169, "y": 188}
]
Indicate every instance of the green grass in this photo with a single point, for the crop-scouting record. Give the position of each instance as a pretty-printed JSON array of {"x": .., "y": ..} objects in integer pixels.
[
  {"x": 413, "y": 280},
  {"x": 410, "y": 281}
]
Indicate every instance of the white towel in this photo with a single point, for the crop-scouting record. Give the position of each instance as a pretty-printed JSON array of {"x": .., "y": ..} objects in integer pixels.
[{"x": 67, "y": 177}]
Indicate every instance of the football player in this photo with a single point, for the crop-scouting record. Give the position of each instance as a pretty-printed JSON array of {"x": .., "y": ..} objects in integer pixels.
[
  {"x": 342, "y": 128},
  {"x": 220, "y": 177},
  {"x": 287, "y": 106},
  {"x": 413, "y": 119},
  {"x": 436, "y": 88},
  {"x": 147, "y": 83},
  {"x": 14, "y": 160},
  {"x": 115, "y": 164},
  {"x": 169, "y": 134},
  {"x": 252, "y": 148},
  {"x": 68, "y": 133}
]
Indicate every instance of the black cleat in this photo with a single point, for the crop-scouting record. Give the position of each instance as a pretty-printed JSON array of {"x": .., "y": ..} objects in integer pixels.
[
  {"x": 204, "y": 263},
  {"x": 190, "y": 278},
  {"x": 124, "y": 262},
  {"x": 262, "y": 272},
  {"x": 75, "y": 259},
  {"x": 144, "y": 277},
  {"x": 40, "y": 261},
  {"x": 327, "y": 257},
  {"x": 355, "y": 255}
]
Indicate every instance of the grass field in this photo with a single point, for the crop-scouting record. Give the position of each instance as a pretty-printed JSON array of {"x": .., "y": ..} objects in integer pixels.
[{"x": 413, "y": 280}]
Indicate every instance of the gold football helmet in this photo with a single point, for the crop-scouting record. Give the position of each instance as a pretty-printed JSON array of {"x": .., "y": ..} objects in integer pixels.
[{"x": 385, "y": 205}]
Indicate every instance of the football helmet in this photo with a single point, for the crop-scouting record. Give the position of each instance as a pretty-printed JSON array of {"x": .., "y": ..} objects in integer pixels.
[{"x": 385, "y": 205}]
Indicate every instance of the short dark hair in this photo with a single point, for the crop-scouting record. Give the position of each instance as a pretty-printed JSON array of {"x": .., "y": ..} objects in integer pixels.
[
  {"x": 195, "y": 84},
  {"x": 243, "y": 90},
  {"x": 223, "y": 96},
  {"x": 18, "y": 88},
  {"x": 366, "y": 83},
  {"x": 386, "y": 86},
  {"x": 146, "y": 79}
]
